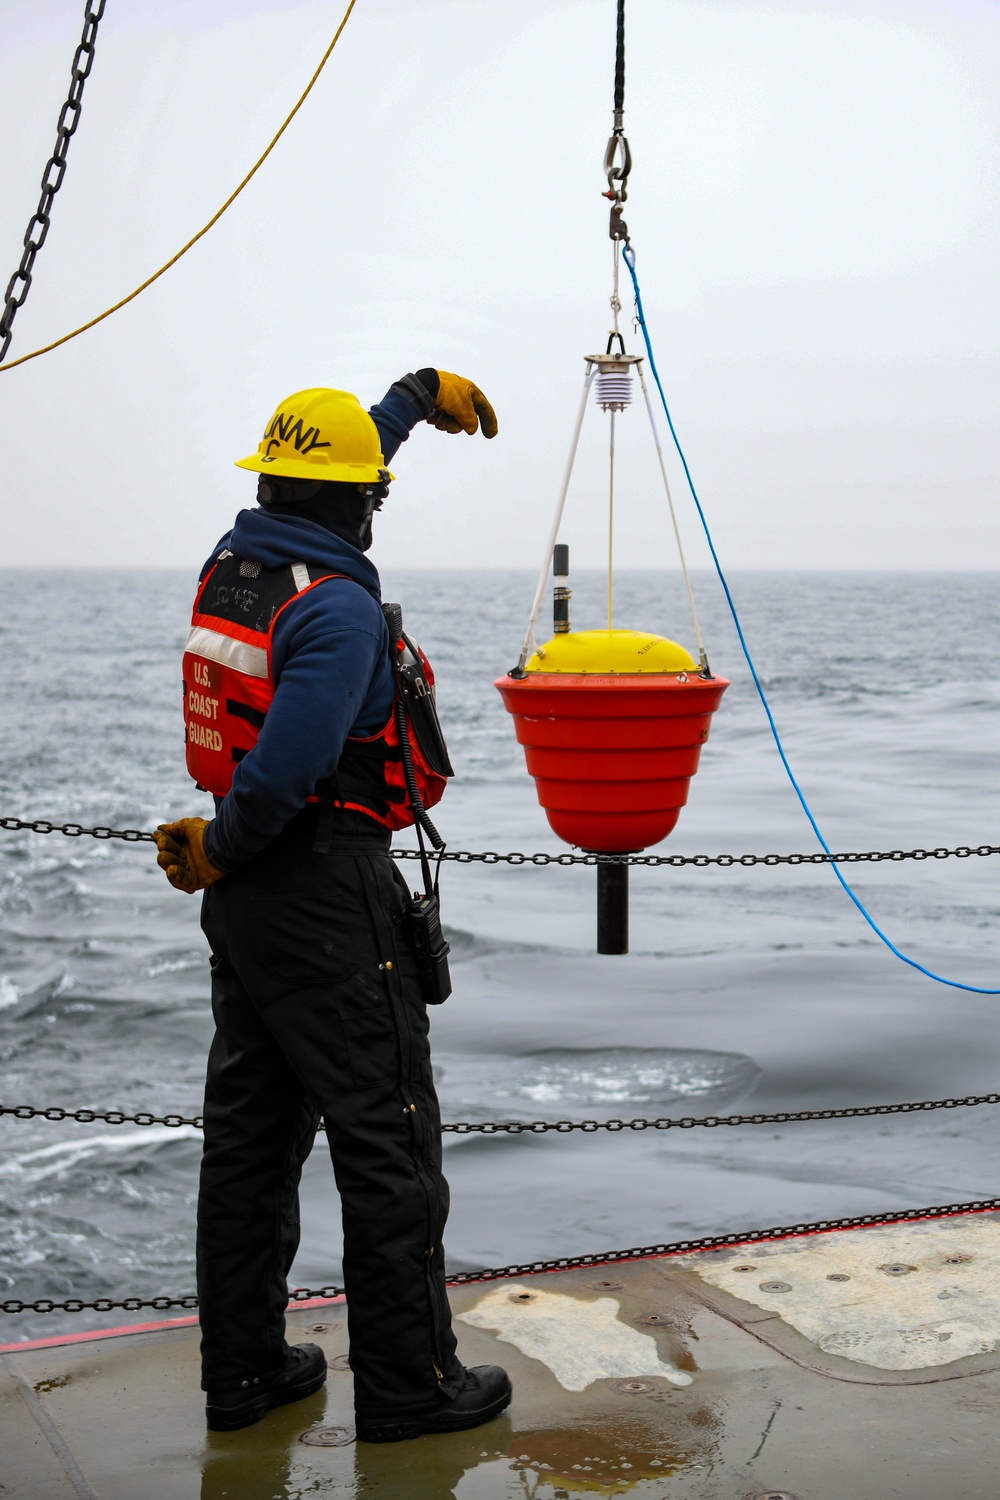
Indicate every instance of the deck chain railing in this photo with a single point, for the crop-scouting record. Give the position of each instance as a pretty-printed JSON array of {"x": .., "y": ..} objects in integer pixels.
[
  {"x": 562, "y": 1263},
  {"x": 491, "y": 857},
  {"x": 56, "y": 1113},
  {"x": 539, "y": 1127}
]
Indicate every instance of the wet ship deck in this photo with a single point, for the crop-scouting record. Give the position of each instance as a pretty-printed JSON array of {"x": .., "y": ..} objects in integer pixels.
[{"x": 854, "y": 1363}]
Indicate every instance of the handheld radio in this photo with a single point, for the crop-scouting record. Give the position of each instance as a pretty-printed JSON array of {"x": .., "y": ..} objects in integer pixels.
[{"x": 422, "y": 913}]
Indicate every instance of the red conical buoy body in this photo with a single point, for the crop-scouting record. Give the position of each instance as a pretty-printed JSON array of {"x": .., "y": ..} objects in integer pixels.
[{"x": 612, "y": 753}]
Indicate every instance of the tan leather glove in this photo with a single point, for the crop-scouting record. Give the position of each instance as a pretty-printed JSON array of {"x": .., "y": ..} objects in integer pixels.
[
  {"x": 460, "y": 406},
  {"x": 182, "y": 855}
]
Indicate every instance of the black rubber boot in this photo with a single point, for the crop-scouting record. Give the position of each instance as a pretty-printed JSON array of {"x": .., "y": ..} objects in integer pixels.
[
  {"x": 484, "y": 1394},
  {"x": 304, "y": 1373}
]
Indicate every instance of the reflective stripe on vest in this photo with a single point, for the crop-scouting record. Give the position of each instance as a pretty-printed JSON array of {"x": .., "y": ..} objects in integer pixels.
[{"x": 214, "y": 646}]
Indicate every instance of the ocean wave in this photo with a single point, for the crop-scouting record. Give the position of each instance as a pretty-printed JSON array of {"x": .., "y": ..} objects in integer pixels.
[{"x": 46, "y": 1161}]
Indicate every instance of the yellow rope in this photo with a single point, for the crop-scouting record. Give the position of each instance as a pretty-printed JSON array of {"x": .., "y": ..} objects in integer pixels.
[{"x": 12, "y": 364}]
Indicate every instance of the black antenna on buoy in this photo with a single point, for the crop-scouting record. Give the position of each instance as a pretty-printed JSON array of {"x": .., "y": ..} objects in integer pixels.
[{"x": 561, "y": 592}]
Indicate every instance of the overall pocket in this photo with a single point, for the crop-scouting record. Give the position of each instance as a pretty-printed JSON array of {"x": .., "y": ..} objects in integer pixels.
[
  {"x": 308, "y": 938},
  {"x": 369, "y": 1029}
]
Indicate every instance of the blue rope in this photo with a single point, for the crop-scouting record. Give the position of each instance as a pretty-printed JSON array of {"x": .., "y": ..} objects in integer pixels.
[{"x": 628, "y": 254}]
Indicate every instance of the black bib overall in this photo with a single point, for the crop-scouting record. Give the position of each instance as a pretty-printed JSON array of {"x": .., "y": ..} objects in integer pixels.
[{"x": 318, "y": 1013}]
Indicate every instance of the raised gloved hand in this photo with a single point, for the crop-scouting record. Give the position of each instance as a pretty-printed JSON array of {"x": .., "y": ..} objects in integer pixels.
[
  {"x": 182, "y": 855},
  {"x": 459, "y": 405}
]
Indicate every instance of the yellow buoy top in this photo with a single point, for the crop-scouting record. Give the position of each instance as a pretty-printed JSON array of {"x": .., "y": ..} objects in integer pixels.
[{"x": 611, "y": 651}]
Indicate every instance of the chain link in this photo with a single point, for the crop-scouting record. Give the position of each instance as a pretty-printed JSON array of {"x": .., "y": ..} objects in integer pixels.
[
  {"x": 542, "y": 1127},
  {"x": 563, "y": 1263},
  {"x": 710, "y": 1122},
  {"x": 491, "y": 857},
  {"x": 721, "y": 1241},
  {"x": 702, "y": 861},
  {"x": 99, "y": 1304},
  {"x": 76, "y": 830},
  {"x": 52, "y": 178},
  {"x": 92, "y": 1116}
]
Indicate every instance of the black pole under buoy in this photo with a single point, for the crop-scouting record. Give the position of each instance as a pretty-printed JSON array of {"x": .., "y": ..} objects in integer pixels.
[{"x": 612, "y": 908}]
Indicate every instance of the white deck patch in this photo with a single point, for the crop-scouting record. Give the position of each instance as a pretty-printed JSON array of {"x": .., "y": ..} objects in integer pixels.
[
  {"x": 897, "y": 1297},
  {"x": 579, "y": 1341}
]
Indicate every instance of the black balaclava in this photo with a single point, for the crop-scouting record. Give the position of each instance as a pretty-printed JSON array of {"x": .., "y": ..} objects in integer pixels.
[{"x": 343, "y": 508}]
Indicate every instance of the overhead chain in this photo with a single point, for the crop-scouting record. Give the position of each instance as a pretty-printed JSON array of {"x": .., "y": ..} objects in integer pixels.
[
  {"x": 178, "y": 255},
  {"x": 562, "y": 1263},
  {"x": 52, "y": 178},
  {"x": 491, "y": 857},
  {"x": 541, "y": 1127}
]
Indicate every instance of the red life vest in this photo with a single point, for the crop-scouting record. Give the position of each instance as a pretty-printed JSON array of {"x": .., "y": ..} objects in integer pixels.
[{"x": 229, "y": 686}]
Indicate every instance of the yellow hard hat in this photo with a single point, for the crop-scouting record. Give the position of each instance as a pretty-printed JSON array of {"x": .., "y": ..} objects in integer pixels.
[{"x": 320, "y": 434}]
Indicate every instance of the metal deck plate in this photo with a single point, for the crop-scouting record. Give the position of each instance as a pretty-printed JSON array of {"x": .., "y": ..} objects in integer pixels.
[{"x": 823, "y": 1370}]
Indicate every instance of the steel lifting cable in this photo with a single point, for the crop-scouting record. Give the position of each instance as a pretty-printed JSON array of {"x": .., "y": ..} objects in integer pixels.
[
  {"x": 57, "y": 1114},
  {"x": 618, "y": 192},
  {"x": 617, "y": 166},
  {"x": 52, "y": 178},
  {"x": 730, "y": 1241},
  {"x": 92, "y": 323}
]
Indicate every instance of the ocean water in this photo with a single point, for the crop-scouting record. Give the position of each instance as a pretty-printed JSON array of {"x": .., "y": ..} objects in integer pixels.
[{"x": 744, "y": 987}]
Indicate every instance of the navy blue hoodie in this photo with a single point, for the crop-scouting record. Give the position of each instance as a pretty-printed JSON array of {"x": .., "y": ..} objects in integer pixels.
[{"x": 332, "y": 672}]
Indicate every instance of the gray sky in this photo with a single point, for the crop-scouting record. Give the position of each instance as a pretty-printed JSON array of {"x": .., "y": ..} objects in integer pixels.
[{"x": 814, "y": 206}]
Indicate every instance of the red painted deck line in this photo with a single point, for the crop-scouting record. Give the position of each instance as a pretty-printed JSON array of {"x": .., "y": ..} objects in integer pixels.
[{"x": 93, "y": 1334}]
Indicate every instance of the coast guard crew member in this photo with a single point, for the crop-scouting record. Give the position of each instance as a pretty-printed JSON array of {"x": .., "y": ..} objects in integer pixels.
[{"x": 289, "y": 697}]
